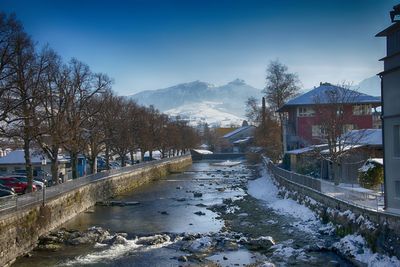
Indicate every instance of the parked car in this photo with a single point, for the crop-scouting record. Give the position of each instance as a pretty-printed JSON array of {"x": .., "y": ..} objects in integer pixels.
[
  {"x": 39, "y": 174},
  {"x": 18, "y": 186},
  {"x": 3, "y": 187},
  {"x": 22, "y": 178},
  {"x": 6, "y": 193}
]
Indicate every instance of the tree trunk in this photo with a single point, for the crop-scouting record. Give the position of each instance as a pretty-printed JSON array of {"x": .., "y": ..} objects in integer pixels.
[
  {"x": 107, "y": 155},
  {"x": 28, "y": 163},
  {"x": 151, "y": 154},
  {"x": 132, "y": 159},
  {"x": 74, "y": 164},
  {"x": 93, "y": 164},
  {"x": 54, "y": 164},
  {"x": 122, "y": 156},
  {"x": 54, "y": 171},
  {"x": 142, "y": 154}
]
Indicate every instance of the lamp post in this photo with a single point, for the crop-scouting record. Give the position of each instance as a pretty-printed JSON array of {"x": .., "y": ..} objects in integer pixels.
[{"x": 44, "y": 180}]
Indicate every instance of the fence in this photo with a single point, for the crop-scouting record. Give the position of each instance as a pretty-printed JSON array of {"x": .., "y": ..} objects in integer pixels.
[
  {"x": 8, "y": 204},
  {"x": 354, "y": 196}
]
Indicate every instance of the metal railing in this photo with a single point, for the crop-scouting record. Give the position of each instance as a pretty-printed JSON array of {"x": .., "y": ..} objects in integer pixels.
[
  {"x": 16, "y": 202},
  {"x": 366, "y": 200}
]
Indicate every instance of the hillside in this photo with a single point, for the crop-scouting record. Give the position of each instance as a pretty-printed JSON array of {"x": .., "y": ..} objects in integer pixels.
[{"x": 202, "y": 102}]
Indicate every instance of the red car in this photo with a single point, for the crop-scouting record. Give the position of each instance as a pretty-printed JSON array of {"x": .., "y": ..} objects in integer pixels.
[{"x": 18, "y": 186}]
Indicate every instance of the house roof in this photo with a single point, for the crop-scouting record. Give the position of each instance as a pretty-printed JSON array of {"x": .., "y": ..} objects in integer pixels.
[
  {"x": 320, "y": 95},
  {"x": 242, "y": 141},
  {"x": 368, "y": 137},
  {"x": 306, "y": 149},
  {"x": 238, "y": 130},
  {"x": 17, "y": 157},
  {"x": 389, "y": 30}
]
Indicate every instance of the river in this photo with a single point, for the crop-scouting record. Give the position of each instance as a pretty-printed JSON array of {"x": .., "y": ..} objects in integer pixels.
[{"x": 206, "y": 216}]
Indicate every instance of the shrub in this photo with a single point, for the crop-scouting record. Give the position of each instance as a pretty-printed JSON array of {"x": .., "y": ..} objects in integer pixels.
[{"x": 371, "y": 175}]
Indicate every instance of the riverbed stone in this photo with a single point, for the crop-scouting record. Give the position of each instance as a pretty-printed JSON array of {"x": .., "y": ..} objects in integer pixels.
[
  {"x": 153, "y": 240},
  {"x": 197, "y": 194},
  {"x": 117, "y": 240},
  {"x": 261, "y": 243}
]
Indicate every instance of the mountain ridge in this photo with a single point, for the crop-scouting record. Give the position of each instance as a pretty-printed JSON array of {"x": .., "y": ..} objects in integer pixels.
[{"x": 226, "y": 102}]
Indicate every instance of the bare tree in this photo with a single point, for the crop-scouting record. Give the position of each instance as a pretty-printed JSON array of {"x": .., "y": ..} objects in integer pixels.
[
  {"x": 82, "y": 87},
  {"x": 253, "y": 111},
  {"x": 281, "y": 86},
  {"x": 53, "y": 108},
  {"x": 28, "y": 68},
  {"x": 268, "y": 131},
  {"x": 333, "y": 111},
  {"x": 10, "y": 29}
]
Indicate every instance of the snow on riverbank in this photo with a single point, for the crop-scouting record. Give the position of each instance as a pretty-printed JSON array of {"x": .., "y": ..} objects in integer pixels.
[
  {"x": 264, "y": 189},
  {"x": 353, "y": 246}
]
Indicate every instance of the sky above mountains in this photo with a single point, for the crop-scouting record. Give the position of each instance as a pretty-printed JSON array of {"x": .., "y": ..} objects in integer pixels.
[{"x": 148, "y": 44}]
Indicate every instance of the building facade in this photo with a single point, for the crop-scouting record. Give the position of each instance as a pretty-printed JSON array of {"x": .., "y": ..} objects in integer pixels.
[
  {"x": 303, "y": 125},
  {"x": 390, "y": 85}
]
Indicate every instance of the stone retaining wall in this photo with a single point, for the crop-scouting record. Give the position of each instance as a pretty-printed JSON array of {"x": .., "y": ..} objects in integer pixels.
[
  {"x": 20, "y": 230},
  {"x": 380, "y": 229}
]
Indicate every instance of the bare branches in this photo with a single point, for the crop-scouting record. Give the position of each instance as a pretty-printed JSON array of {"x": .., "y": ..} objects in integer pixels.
[{"x": 280, "y": 85}]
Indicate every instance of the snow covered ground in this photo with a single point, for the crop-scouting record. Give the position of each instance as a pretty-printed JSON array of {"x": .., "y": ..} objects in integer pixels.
[{"x": 354, "y": 246}]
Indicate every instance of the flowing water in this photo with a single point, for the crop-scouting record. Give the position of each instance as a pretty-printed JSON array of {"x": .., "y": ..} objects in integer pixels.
[{"x": 205, "y": 213}]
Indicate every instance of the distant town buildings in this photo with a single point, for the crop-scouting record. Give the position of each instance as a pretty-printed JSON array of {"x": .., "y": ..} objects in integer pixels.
[{"x": 390, "y": 83}]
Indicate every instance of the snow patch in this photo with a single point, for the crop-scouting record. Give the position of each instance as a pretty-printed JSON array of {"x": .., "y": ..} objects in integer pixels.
[
  {"x": 355, "y": 246},
  {"x": 265, "y": 190}
]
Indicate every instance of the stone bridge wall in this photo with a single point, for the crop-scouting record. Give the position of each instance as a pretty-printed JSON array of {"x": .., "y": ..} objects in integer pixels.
[{"x": 20, "y": 230}]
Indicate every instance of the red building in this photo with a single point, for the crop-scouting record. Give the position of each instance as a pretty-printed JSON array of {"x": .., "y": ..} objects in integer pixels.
[{"x": 304, "y": 123}]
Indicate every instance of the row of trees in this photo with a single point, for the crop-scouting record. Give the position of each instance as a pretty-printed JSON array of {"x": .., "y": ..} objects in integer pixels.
[{"x": 49, "y": 104}]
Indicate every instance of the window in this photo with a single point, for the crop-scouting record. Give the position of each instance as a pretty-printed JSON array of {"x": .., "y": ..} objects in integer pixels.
[
  {"x": 396, "y": 143},
  {"x": 397, "y": 188},
  {"x": 362, "y": 109},
  {"x": 305, "y": 111},
  {"x": 318, "y": 131}
]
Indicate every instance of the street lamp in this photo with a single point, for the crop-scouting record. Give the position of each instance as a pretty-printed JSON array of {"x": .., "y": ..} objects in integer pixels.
[{"x": 44, "y": 162}]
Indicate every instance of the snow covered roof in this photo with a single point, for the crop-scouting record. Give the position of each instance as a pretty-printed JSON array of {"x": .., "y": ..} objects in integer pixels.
[
  {"x": 377, "y": 160},
  {"x": 202, "y": 151},
  {"x": 370, "y": 137},
  {"x": 300, "y": 150},
  {"x": 321, "y": 93},
  {"x": 238, "y": 130},
  {"x": 17, "y": 157},
  {"x": 343, "y": 148},
  {"x": 203, "y": 146},
  {"x": 305, "y": 149},
  {"x": 241, "y": 141}
]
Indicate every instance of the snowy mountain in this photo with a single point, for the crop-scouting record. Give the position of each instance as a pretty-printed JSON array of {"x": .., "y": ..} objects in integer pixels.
[
  {"x": 370, "y": 86},
  {"x": 205, "y": 112},
  {"x": 202, "y": 102}
]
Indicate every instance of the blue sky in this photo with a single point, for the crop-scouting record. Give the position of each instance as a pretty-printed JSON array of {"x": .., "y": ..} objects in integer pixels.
[{"x": 146, "y": 44}]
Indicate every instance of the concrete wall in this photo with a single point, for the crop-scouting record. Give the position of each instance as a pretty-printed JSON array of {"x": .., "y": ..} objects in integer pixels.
[
  {"x": 383, "y": 235},
  {"x": 391, "y": 140},
  {"x": 20, "y": 230}
]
